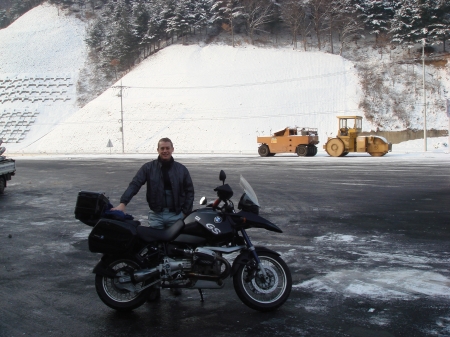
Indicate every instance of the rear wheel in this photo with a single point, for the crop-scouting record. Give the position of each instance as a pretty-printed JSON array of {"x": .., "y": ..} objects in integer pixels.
[
  {"x": 312, "y": 150},
  {"x": 263, "y": 150},
  {"x": 259, "y": 292},
  {"x": 302, "y": 150},
  {"x": 122, "y": 296},
  {"x": 377, "y": 154}
]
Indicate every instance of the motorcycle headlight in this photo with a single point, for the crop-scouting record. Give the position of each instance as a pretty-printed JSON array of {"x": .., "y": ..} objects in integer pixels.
[{"x": 246, "y": 204}]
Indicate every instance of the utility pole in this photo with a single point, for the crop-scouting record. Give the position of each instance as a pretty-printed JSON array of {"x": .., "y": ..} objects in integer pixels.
[
  {"x": 424, "y": 99},
  {"x": 121, "y": 87}
]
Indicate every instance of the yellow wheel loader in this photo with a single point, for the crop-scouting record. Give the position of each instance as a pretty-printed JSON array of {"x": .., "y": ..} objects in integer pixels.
[{"x": 348, "y": 140}]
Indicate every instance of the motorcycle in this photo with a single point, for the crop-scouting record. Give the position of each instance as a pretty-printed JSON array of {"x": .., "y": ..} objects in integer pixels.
[{"x": 138, "y": 260}]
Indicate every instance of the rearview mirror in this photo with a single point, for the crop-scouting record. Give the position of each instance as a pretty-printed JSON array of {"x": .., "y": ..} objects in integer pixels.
[
  {"x": 222, "y": 176},
  {"x": 203, "y": 201}
]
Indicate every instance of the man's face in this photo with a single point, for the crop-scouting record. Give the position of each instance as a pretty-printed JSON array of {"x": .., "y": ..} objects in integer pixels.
[{"x": 165, "y": 150}]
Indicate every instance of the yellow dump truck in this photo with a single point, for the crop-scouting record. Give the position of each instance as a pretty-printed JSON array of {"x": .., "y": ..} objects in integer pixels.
[
  {"x": 349, "y": 140},
  {"x": 301, "y": 141}
]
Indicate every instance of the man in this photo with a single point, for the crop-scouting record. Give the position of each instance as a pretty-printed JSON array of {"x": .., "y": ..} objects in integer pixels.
[{"x": 170, "y": 192}]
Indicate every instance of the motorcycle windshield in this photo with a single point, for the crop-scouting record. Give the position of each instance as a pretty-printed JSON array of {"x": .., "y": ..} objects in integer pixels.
[{"x": 248, "y": 190}]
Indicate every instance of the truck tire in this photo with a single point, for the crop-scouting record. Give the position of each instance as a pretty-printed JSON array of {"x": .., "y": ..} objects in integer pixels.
[
  {"x": 263, "y": 150},
  {"x": 2, "y": 185},
  {"x": 302, "y": 150},
  {"x": 312, "y": 150}
]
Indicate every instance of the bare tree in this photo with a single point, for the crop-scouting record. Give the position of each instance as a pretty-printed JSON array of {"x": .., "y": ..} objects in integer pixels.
[
  {"x": 257, "y": 13},
  {"x": 349, "y": 28},
  {"x": 294, "y": 14},
  {"x": 319, "y": 14},
  {"x": 334, "y": 12}
]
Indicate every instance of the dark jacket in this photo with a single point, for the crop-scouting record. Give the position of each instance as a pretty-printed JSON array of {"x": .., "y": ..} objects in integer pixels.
[{"x": 151, "y": 173}]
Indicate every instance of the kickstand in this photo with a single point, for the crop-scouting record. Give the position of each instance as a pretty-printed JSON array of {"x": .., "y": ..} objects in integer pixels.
[{"x": 201, "y": 295}]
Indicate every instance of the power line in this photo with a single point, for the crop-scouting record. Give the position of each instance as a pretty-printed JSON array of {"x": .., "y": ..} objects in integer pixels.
[
  {"x": 244, "y": 84},
  {"x": 217, "y": 118}
]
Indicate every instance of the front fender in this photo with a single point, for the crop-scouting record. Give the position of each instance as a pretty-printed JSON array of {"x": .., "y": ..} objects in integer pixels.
[{"x": 245, "y": 256}]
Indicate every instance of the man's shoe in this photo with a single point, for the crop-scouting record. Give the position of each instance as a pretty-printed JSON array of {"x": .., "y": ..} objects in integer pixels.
[
  {"x": 176, "y": 291},
  {"x": 154, "y": 294}
]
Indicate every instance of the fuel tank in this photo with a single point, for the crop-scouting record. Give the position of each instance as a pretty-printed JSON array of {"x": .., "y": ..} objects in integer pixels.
[{"x": 209, "y": 224}]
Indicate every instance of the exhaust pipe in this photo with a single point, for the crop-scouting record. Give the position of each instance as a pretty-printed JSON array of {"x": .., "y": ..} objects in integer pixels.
[
  {"x": 167, "y": 268},
  {"x": 145, "y": 274}
]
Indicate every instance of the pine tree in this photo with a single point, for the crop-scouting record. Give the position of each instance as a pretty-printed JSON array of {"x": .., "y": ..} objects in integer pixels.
[
  {"x": 377, "y": 14},
  {"x": 226, "y": 13},
  {"x": 4, "y": 19},
  {"x": 409, "y": 22}
]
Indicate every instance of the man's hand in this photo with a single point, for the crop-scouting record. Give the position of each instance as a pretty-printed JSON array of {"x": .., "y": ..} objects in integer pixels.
[{"x": 121, "y": 207}]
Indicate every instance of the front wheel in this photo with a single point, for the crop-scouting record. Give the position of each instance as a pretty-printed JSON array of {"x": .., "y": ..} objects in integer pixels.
[
  {"x": 122, "y": 296},
  {"x": 259, "y": 292},
  {"x": 264, "y": 151}
]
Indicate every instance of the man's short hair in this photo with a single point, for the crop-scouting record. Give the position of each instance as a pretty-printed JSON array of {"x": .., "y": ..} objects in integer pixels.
[{"x": 165, "y": 140}]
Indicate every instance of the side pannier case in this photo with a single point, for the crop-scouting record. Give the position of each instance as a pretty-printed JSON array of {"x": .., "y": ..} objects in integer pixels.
[
  {"x": 113, "y": 237},
  {"x": 90, "y": 207}
]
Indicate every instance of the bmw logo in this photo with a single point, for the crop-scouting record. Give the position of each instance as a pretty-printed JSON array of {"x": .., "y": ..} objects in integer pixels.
[{"x": 217, "y": 219}]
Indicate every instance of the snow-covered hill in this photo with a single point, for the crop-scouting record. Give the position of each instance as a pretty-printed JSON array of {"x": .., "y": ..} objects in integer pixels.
[
  {"x": 41, "y": 55},
  {"x": 206, "y": 98}
]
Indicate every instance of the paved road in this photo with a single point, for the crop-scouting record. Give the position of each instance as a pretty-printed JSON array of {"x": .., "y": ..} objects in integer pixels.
[{"x": 367, "y": 241}]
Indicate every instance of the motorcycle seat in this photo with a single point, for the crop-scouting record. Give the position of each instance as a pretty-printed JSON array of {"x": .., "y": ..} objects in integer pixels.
[{"x": 149, "y": 234}]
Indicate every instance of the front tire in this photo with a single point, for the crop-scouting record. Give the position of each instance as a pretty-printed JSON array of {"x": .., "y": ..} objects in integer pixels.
[
  {"x": 263, "y": 150},
  {"x": 259, "y": 293},
  {"x": 335, "y": 147},
  {"x": 120, "y": 296}
]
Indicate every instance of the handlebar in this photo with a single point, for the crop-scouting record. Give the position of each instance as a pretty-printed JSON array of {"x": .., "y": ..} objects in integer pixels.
[{"x": 216, "y": 203}]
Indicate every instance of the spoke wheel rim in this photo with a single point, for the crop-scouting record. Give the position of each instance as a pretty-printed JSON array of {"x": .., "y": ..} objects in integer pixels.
[
  {"x": 266, "y": 291},
  {"x": 117, "y": 291}
]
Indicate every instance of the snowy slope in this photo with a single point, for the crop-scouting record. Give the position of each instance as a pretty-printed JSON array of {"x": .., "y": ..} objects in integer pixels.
[
  {"x": 212, "y": 99},
  {"x": 206, "y": 98},
  {"x": 41, "y": 55}
]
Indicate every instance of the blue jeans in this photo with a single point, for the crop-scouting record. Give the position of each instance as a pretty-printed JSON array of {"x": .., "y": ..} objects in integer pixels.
[{"x": 164, "y": 219}]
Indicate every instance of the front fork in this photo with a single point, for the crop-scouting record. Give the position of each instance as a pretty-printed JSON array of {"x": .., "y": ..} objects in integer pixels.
[{"x": 252, "y": 249}]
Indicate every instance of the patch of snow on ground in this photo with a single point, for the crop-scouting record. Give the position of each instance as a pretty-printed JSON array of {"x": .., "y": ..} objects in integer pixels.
[{"x": 381, "y": 284}]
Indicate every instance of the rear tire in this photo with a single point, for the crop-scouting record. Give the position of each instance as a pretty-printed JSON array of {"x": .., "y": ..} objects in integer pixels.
[
  {"x": 258, "y": 293},
  {"x": 312, "y": 150},
  {"x": 120, "y": 296},
  {"x": 263, "y": 150}
]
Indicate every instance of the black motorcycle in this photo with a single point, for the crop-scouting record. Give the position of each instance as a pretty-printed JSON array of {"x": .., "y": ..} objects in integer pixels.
[{"x": 138, "y": 260}]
